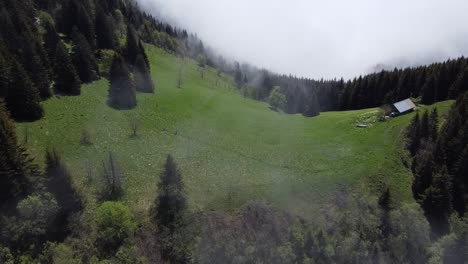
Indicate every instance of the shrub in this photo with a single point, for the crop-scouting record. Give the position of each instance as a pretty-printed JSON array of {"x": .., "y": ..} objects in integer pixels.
[{"x": 115, "y": 225}]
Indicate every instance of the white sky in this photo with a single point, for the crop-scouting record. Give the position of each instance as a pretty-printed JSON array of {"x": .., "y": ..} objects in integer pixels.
[{"x": 329, "y": 38}]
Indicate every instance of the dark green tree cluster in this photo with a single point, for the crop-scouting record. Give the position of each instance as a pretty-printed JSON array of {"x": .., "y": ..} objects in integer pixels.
[
  {"x": 17, "y": 171},
  {"x": 440, "y": 164},
  {"x": 33, "y": 209}
]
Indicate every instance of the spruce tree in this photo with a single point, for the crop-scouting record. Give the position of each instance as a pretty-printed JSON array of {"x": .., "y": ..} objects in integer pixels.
[
  {"x": 429, "y": 90},
  {"x": 67, "y": 81},
  {"x": 83, "y": 58},
  {"x": 142, "y": 76},
  {"x": 59, "y": 183},
  {"x": 51, "y": 39},
  {"x": 437, "y": 203},
  {"x": 413, "y": 135},
  {"x": 312, "y": 106},
  {"x": 22, "y": 97},
  {"x": 169, "y": 213},
  {"x": 132, "y": 47},
  {"x": 4, "y": 76},
  {"x": 171, "y": 202},
  {"x": 122, "y": 94},
  {"x": 17, "y": 172},
  {"x": 460, "y": 85},
  {"x": 105, "y": 31}
]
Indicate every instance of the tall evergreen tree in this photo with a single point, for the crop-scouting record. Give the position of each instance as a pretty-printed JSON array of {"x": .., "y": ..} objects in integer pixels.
[
  {"x": 17, "y": 172},
  {"x": 460, "y": 85},
  {"x": 83, "y": 58},
  {"x": 132, "y": 47},
  {"x": 312, "y": 107},
  {"x": 142, "y": 76},
  {"x": 437, "y": 202},
  {"x": 171, "y": 202},
  {"x": 67, "y": 81},
  {"x": 169, "y": 212},
  {"x": 22, "y": 97},
  {"x": 59, "y": 183},
  {"x": 122, "y": 94},
  {"x": 429, "y": 90},
  {"x": 105, "y": 31}
]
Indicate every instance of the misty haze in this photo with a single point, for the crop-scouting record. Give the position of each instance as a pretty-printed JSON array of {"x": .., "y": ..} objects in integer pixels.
[{"x": 150, "y": 131}]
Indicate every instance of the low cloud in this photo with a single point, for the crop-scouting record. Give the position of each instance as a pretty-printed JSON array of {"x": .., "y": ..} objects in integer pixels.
[{"x": 337, "y": 38}]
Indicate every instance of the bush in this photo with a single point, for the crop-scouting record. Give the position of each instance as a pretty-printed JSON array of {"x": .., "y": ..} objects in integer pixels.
[
  {"x": 115, "y": 225},
  {"x": 277, "y": 100}
]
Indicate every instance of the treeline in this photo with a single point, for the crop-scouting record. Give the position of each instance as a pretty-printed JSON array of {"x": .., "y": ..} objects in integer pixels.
[
  {"x": 432, "y": 83},
  {"x": 440, "y": 164}
]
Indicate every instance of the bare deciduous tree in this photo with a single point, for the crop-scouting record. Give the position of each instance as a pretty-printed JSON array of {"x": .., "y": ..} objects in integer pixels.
[{"x": 113, "y": 176}]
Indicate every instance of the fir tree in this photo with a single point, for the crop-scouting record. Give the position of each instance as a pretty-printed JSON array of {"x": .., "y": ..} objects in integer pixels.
[
  {"x": 83, "y": 58},
  {"x": 429, "y": 90},
  {"x": 460, "y": 85},
  {"x": 60, "y": 185},
  {"x": 122, "y": 93},
  {"x": 51, "y": 39},
  {"x": 67, "y": 81},
  {"x": 437, "y": 203},
  {"x": 413, "y": 135},
  {"x": 22, "y": 97},
  {"x": 142, "y": 76},
  {"x": 312, "y": 107},
  {"x": 169, "y": 212},
  {"x": 105, "y": 31},
  {"x": 171, "y": 202},
  {"x": 132, "y": 47},
  {"x": 17, "y": 172}
]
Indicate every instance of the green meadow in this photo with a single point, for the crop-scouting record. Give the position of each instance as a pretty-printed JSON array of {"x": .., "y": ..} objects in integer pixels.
[{"x": 230, "y": 149}]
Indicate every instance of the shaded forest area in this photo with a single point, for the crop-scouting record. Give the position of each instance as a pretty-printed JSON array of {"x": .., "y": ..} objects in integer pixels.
[{"x": 429, "y": 84}]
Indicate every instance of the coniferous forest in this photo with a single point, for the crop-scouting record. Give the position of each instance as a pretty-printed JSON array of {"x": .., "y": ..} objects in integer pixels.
[{"x": 51, "y": 49}]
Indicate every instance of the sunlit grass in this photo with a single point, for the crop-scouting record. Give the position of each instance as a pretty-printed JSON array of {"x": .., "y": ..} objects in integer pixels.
[{"x": 230, "y": 149}]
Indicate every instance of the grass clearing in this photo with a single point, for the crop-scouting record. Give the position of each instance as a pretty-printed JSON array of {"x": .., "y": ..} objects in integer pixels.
[{"x": 230, "y": 149}]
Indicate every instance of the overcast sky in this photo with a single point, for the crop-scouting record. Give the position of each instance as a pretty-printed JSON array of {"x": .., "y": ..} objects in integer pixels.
[{"x": 328, "y": 38}]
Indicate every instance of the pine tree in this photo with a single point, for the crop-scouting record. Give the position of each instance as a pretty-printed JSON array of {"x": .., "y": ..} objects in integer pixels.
[
  {"x": 17, "y": 172},
  {"x": 433, "y": 125},
  {"x": 132, "y": 47},
  {"x": 83, "y": 58},
  {"x": 429, "y": 90},
  {"x": 60, "y": 185},
  {"x": 437, "y": 203},
  {"x": 51, "y": 39},
  {"x": 169, "y": 212},
  {"x": 142, "y": 76},
  {"x": 67, "y": 81},
  {"x": 312, "y": 107},
  {"x": 171, "y": 202},
  {"x": 22, "y": 98},
  {"x": 460, "y": 85},
  {"x": 385, "y": 224},
  {"x": 4, "y": 77},
  {"x": 105, "y": 31},
  {"x": 122, "y": 94},
  {"x": 414, "y": 135}
]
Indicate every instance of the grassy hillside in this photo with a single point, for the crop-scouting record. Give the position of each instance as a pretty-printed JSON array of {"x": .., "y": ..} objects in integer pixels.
[{"x": 230, "y": 149}]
